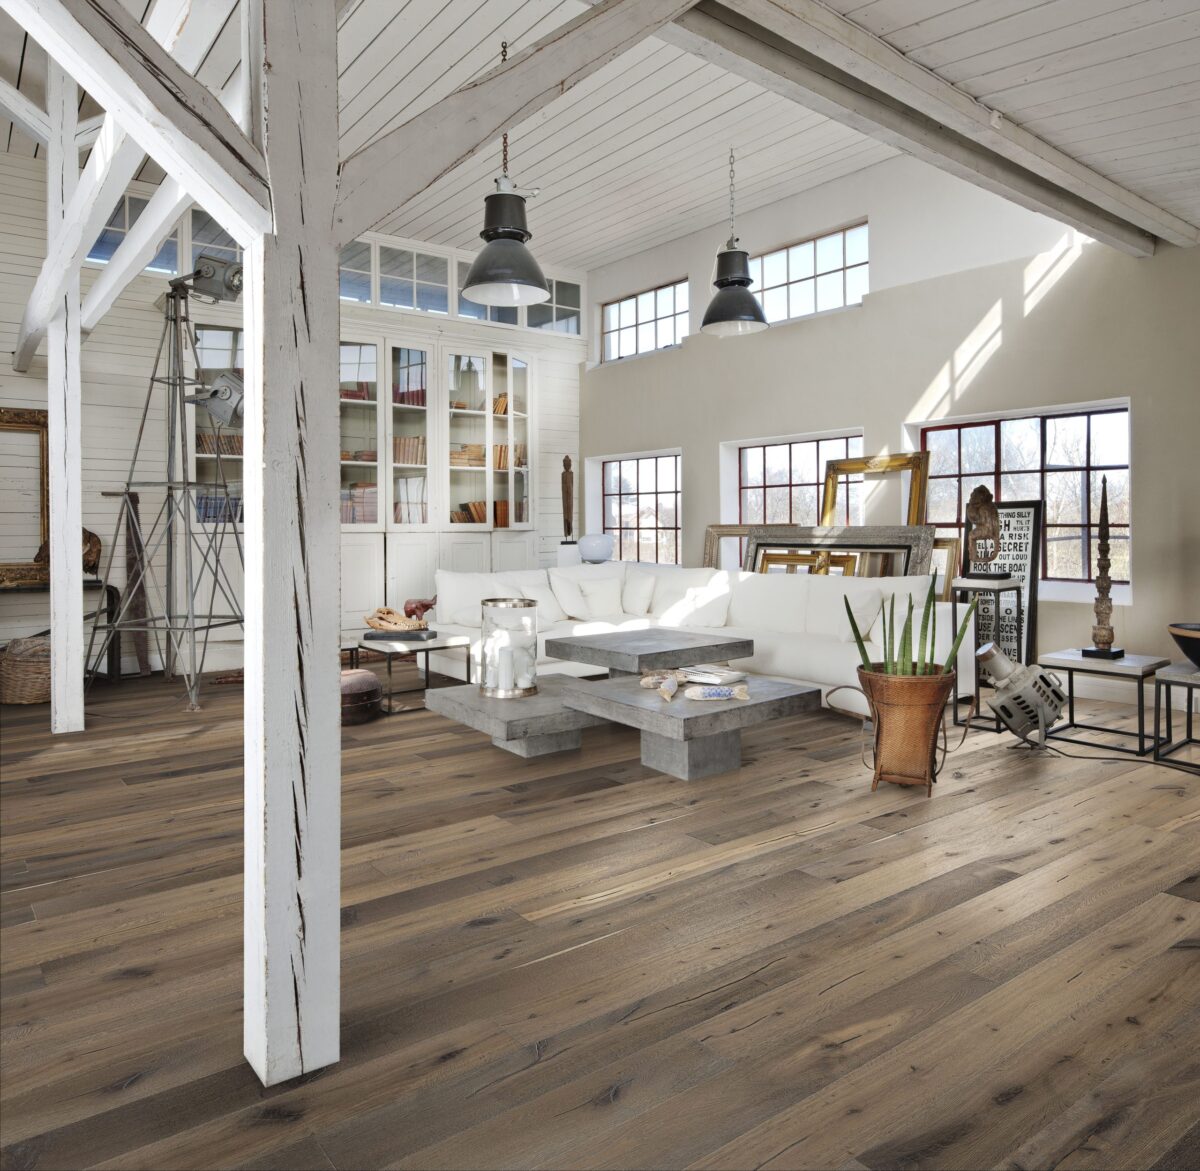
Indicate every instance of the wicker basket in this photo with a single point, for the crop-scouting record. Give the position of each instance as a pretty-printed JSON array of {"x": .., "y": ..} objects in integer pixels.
[
  {"x": 25, "y": 671},
  {"x": 907, "y": 710}
]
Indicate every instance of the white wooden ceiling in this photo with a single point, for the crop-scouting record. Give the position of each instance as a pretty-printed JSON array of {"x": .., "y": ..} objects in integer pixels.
[{"x": 636, "y": 155}]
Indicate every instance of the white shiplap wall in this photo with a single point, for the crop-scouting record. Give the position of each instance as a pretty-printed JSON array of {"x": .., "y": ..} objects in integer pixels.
[{"x": 118, "y": 359}]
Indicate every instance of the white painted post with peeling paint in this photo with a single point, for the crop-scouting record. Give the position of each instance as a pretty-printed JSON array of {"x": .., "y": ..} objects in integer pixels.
[
  {"x": 293, "y": 545},
  {"x": 63, "y": 398}
]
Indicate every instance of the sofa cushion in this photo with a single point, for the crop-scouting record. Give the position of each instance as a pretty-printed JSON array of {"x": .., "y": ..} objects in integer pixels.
[
  {"x": 701, "y": 605},
  {"x": 459, "y": 596},
  {"x": 534, "y": 584},
  {"x": 769, "y": 601},
  {"x": 602, "y": 595},
  {"x": 915, "y": 586},
  {"x": 671, "y": 586},
  {"x": 638, "y": 591},
  {"x": 826, "y": 613},
  {"x": 564, "y": 581}
]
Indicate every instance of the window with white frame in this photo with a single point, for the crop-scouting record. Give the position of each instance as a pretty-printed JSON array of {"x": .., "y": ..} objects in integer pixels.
[
  {"x": 781, "y": 482},
  {"x": 561, "y": 313},
  {"x": 354, "y": 272},
  {"x": 826, "y": 272},
  {"x": 413, "y": 280},
  {"x": 124, "y": 216},
  {"x": 641, "y": 507},
  {"x": 1061, "y": 459},
  {"x": 210, "y": 239},
  {"x": 504, "y": 314},
  {"x": 646, "y": 321}
]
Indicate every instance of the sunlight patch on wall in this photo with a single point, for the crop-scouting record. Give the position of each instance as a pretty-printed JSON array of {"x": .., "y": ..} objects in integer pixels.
[
  {"x": 1047, "y": 268},
  {"x": 970, "y": 357}
]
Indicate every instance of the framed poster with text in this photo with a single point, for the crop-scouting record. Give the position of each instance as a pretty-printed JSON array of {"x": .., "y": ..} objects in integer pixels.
[{"x": 1019, "y": 557}]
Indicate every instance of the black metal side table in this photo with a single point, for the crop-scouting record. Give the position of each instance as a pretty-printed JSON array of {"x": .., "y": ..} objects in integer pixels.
[
  {"x": 1187, "y": 676},
  {"x": 997, "y": 588},
  {"x": 399, "y": 648}
]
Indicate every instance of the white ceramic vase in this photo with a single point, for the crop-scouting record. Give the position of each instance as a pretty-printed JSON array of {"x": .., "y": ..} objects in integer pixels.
[{"x": 596, "y": 548}]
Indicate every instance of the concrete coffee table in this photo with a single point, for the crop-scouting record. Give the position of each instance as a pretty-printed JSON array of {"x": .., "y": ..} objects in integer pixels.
[
  {"x": 629, "y": 652},
  {"x": 531, "y": 726},
  {"x": 689, "y": 738}
]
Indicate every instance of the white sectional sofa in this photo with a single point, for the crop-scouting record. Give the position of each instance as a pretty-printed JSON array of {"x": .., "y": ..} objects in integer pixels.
[{"x": 797, "y": 621}]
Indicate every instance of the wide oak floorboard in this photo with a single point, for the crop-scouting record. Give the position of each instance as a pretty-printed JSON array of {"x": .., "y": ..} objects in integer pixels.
[{"x": 577, "y": 962}]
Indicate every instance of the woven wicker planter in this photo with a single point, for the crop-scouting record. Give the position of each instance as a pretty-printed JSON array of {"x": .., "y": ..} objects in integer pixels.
[
  {"x": 25, "y": 671},
  {"x": 907, "y": 710}
]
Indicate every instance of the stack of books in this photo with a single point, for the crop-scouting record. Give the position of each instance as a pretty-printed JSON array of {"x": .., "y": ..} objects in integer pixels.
[
  {"x": 411, "y": 506},
  {"x": 500, "y": 404},
  {"x": 409, "y": 398},
  {"x": 408, "y": 449},
  {"x": 500, "y": 512},
  {"x": 466, "y": 455},
  {"x": 215, "y": 507},
  {"x": 356, "y": 391},
  {"x": 500, "y": 454},
  {"x": 210, "y": 443},
  {"x": 360, "y": 504},
  {"x": 472, "y": 512}
]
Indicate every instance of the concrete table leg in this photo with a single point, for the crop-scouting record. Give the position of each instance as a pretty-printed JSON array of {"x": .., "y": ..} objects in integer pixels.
[
  {"x": 691, "y": 760},
  {"x": 541, "y": 745}
]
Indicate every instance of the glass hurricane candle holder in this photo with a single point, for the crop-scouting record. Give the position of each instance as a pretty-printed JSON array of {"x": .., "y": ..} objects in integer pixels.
[{"x": 508, "y": 655}]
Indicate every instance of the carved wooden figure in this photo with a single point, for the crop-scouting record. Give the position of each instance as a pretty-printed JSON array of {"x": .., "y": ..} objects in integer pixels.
[{"x": 1102, "y": 631}]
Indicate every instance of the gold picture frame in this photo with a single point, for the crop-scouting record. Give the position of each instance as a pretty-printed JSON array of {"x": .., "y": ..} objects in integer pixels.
[
  {"x": 952, "y": 546},
  {"x": 32, "y": 421},
  {"x": 715, "y": 534},
  {"x": 916, "y": 462},
  {"x": 814, "y": 562}
]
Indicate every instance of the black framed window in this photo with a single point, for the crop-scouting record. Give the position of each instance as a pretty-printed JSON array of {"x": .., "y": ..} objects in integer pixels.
[
  {"x": 641, "y": 507},
  {"x": 826, "y": 272},
  {"x": 1060, "y": 459},
  {"x": 646, "y": 321},
  {"x": 780, "y": 483}
]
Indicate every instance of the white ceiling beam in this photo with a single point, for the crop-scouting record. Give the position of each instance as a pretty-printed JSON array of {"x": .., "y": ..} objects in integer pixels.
[
  {"x": 30, "y": 120},
  {"x": 731, "y": 41},
  {"x": 89, "y": 131},
  {"x": 153, "y": 226},
  {"x": 174, "y": 117},
  {"x": 826, "y": 34},
  {"x": 385, "y": 174},
  {"x": 184, "y": 30}
]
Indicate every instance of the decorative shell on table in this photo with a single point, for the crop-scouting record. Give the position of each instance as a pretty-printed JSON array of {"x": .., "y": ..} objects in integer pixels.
[{"x": 385, "y": 618}]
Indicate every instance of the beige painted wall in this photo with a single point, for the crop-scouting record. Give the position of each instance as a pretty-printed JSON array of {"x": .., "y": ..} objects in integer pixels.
[{"x": 1078, "y": 324}]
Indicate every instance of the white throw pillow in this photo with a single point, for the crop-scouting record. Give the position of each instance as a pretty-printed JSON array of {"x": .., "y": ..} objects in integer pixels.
[
  {"x": 827, "y": 607},
  {"x": 564, "y": 581},
  {"x": 705, "y": 605},
  {"x": 534, "y": 584},
  {"x": 769, "y": 601},
  {"x": 915, "y": 586},
  {"x": 638, "y": 592},
  {"x": 603, "y": 597},
  {"x": 459, "y": 596},
  {"x": 671, "y": 587}
]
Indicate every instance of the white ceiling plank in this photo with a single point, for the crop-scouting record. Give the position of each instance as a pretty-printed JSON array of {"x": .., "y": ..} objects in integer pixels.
[
  {"x": 383, "y": 175},
  {"x": 172, "y": 116},
  {"x": 866, "y": 58}
]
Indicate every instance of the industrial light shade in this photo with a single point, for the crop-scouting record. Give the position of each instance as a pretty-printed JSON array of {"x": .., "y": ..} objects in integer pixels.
[
  {"x": 505, "y": 272},
  {"x": 734, "y": 309}
]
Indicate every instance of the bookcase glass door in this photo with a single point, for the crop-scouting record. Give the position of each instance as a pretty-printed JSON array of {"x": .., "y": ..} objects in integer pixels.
[
  {"x": 218, "y": 450},
  {"x": 358, "y": 394},
  {"x": 518, "y": 423},
  {"x": 410, "y": 435},
  {"x": 468, "y": 415},
  {"x": 510, "y": 446}
]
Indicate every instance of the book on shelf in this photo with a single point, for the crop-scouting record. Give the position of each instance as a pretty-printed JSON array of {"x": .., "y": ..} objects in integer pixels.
[
  {"x": 408, "y": 449},
  {"x": 210, "y": 443},
  {"x": 470, "y": 512},
  {"x": 356, "y": 391},
  {"x": 500, "y": 514},
  {"x": 411, "y": 506},
  {"x": 500, "y": 404},
  {"x": 467, "y": 455},
  {"x": 360, "y": 504},
  {"x": 413, "y": 397}
]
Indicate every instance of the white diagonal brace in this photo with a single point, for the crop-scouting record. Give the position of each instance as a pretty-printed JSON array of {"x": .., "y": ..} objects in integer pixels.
[
  {"x": 184, "y": 30},
  {"x": 385, "y": 174},
  {"x": 31, "y": 121},
  {"x": 818, "y": 30},
  {"x": 175, "y": 118},
  {"x": 88, "y": 131}
]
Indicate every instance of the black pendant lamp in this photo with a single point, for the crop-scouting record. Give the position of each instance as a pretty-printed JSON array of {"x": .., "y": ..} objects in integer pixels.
[
  {"x": 505, "y": 272},
  {"x": 733, "y": 309}
]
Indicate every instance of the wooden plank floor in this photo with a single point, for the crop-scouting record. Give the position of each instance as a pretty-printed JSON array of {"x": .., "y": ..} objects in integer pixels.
[{"x": 575, "y": 962}]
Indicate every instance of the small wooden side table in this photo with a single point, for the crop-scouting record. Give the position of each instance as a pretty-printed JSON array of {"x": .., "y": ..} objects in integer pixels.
[
  {"x": 1134, "y": 668},
  {"x": 1187, "y": 676},
  {"x": 997, "y": 587}
]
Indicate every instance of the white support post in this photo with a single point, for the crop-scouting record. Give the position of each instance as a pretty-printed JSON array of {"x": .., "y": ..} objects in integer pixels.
[
  {"x": 293, "y": 539},
  {"x": 63, "y": 393}
]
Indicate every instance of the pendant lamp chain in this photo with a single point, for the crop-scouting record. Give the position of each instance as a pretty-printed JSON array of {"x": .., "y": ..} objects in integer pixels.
[
  {"x": 732, "y": 237},
  {"x": 504, "y": 140}
]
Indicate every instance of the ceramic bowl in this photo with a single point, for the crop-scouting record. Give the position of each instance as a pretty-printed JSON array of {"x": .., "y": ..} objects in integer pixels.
[{"x": 1187, "y": 635}]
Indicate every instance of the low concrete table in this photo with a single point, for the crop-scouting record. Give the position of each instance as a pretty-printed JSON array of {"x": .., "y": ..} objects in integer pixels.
[
  {"x": 690, "y": 738},
  {"x": 630, "y": 652},
  {"x": 531, "y": 726}
]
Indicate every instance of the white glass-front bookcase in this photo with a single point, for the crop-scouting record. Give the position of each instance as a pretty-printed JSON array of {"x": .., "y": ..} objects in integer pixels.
[{"x": 434, "y": 436}]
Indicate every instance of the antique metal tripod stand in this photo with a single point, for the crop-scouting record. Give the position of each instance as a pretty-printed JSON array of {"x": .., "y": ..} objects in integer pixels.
[{"x": 193, "y": 521}]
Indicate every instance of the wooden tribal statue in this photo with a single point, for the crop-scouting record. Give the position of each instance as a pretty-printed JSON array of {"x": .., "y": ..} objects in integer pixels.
[
  {"x": 983, "y": 537},
  {"x": 1102, "y": 631},
  {"x": 568, "y": 501}
]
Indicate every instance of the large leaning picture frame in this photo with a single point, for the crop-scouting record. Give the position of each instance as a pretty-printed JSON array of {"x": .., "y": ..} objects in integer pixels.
[
  {"x": 881, "y": 550},
  {"x": 32, "y": 421},
  {"x": 1019, "y": 556},
  {"x": 715, "y": 534},
  {"x": 916, "y": 462}
]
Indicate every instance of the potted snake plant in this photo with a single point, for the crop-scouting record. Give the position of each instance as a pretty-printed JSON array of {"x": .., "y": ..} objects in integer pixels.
[{"x": 907, "y": 693}]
